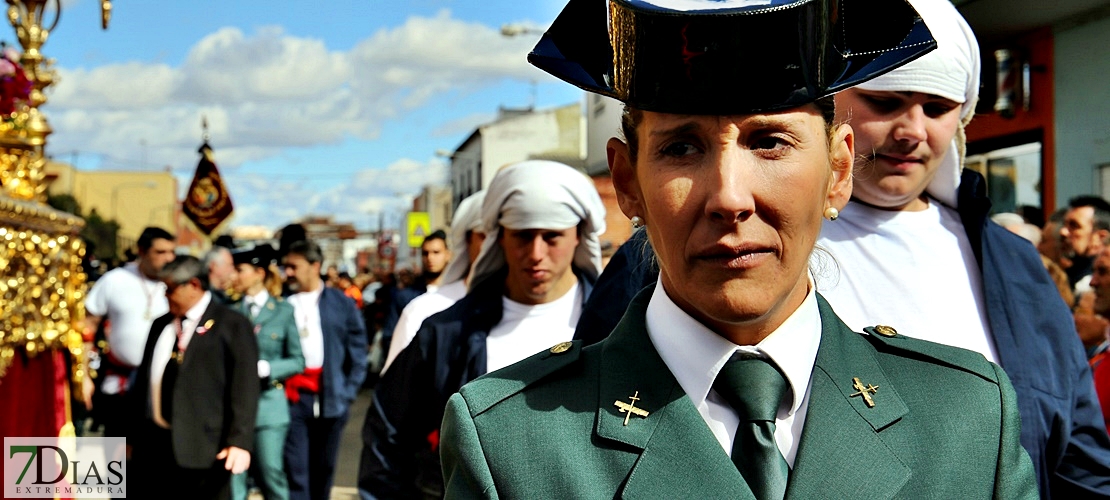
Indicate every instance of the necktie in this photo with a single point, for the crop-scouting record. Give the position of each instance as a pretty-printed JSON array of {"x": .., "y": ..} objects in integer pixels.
[
  {"x": 754, "y": 387},
  {"x": 255, "y": 308},
  {"x": 169, "y": 376}
]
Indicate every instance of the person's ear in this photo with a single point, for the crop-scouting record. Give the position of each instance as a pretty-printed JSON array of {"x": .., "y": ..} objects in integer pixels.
[
  {"x": 627, "y": 186},
  {"x": 842, "y": 151},
  {"x": 1101, "y": 237}
]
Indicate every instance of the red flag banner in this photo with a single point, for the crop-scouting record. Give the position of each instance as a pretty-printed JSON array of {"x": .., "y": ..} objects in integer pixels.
[{"x": 207, "y": 203}]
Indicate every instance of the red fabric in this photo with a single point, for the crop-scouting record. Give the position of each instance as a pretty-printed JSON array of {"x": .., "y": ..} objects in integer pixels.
[
  {"x": 433, "y": 440},
  {"x": 1102, "y": 387},
  {"x": 355, "y": 294},
  {"x": 32, "y": 396},
  {"x": 309, "y": 381}
]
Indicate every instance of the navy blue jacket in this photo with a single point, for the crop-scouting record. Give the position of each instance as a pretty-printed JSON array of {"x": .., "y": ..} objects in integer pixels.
[
  {"x": 1034, "y": 335},
  {"x": 344, "y": 352},
  {"x": 400, "y": 455},
  {"x": 1062, "y": 426},
  {"x": 630, "y": 270}
]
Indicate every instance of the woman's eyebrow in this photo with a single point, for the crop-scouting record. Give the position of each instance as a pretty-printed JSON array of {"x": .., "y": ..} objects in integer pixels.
[{"x": 682, "y": 128}]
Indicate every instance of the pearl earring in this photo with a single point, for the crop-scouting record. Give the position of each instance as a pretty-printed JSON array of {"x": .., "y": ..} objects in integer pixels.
[
  {"x": 832, "y": 213},
  {"x": 637, "y": 222}
]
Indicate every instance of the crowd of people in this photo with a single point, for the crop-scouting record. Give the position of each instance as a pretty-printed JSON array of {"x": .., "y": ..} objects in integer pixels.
[{"x": 814, "y": 302}]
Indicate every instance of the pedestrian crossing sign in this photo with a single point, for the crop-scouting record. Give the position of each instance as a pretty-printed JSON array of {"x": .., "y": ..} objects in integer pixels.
[{"x": 419, "y": 227}]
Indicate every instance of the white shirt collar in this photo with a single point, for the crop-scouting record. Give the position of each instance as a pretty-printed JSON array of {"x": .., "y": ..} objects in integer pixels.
[
  {"x": 695, "y": 354},
  {"x": 259, "y": 298},
  {"x": 310, "y": 297},
  {"x": 194, "y": 313}
]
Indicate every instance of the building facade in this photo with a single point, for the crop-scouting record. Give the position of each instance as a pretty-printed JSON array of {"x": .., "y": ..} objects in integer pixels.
[
  {"x": 135, "y": 200},
  {"x": 1042, "y": 131}
]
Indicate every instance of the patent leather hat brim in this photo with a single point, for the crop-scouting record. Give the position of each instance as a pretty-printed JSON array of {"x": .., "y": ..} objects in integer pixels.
[{"x": 731, "y": 61}]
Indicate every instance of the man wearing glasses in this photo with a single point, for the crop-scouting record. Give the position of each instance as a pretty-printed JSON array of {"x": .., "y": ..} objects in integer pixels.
[{"x": 195, "y": 398}]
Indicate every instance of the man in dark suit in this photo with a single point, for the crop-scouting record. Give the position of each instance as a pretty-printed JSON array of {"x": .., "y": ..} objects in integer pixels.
[
  {"x": 195, "y": 396},
  {"x": 333, "y": 341}
]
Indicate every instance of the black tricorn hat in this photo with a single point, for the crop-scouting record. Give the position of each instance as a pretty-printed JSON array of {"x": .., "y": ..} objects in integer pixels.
[
  {"x": 258, "y": 256},
  {"x": 728, "y": 56}
]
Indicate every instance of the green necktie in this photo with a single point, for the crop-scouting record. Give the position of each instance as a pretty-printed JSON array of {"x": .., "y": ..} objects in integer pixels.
[{"x": 754, "y": 387}]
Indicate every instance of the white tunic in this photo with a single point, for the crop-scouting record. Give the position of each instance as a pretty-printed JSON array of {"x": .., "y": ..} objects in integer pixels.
[
  {"x": 914, "y": 271},
  {"x": 131, "y": 302},
  {"x": 527, "y": 329},
  {"x": 418, "y": 310}
]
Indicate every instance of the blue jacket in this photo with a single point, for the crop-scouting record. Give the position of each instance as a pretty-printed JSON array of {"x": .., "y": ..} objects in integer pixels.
[
  {"x": 400, "y": 456},
  {"x": 1062, "y": 426},
  {"x": 344, "y": 352}
]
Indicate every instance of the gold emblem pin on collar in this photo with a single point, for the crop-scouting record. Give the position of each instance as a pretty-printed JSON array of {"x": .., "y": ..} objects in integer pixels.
[
  {"x": 864, "y": 392},
  {"x": 630, "y": 409}
]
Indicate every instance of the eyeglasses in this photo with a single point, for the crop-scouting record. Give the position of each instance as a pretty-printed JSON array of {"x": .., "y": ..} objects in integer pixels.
[{"x": 171, "y": 287}]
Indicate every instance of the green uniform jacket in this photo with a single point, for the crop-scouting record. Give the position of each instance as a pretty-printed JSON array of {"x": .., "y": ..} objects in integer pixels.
[
  {"x": 944, "y": 425},
  {"x": 279, "y": 343}
]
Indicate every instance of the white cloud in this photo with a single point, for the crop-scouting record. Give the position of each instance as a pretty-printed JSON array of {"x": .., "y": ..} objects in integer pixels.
[
  {"x": 260, "y": 200},
  {"x": 267, "y": 91},
  {"x": 463, "y": 125}
]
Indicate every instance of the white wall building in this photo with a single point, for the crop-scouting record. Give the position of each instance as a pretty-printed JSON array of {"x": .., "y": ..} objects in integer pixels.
[{"x": 517, "y": 135}]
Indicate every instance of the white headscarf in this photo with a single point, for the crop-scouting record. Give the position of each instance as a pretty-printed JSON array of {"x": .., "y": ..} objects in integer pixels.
[
  {"x": 468, "y": 217},
  {"x": 952, "y": 72},
  {"x": 541, "y": 195}
]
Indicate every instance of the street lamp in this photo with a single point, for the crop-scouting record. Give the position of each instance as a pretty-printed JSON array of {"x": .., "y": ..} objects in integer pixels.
[
  {"x": 117, "y": 188},
  {"x": 517, "y": 29}
]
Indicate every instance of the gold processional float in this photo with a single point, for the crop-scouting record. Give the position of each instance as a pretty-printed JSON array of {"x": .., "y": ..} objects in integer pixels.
[{"x": 42, "y": 283}]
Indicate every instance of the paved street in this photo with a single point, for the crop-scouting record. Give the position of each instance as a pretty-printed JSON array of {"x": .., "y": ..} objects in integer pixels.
[{"x": 346, "y": 474}]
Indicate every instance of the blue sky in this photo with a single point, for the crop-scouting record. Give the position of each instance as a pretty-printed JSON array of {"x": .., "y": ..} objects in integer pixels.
[{"x": 329, "y": 108}]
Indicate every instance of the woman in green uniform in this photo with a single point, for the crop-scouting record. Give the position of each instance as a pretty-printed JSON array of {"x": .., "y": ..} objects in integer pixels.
[
  {"x": 279, "y": 357},
  {"x": 732, "y": 377}
]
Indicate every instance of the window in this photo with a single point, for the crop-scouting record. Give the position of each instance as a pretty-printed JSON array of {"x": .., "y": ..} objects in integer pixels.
[
  {"x": 1104, "y": 180},
  {"x": 1013, "y": 176}
]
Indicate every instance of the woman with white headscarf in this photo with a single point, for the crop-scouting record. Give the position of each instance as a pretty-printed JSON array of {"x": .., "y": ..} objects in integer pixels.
[
  {"x": 915, "y": 250},
  {"x": 537, "y": 265}
]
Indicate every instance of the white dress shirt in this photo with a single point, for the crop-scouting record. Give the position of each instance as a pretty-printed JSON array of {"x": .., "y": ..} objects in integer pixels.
[
  {"x": 695, "y": 355},
  {"x": 257, "y": 301},
  {"x": 163, "y": 350},
  {"x": 306, "y": 306}
]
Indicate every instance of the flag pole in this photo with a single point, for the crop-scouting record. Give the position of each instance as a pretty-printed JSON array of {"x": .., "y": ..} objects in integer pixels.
[
  {"x": 206, "y": 150},
  {"x": 207, "y": 202}
]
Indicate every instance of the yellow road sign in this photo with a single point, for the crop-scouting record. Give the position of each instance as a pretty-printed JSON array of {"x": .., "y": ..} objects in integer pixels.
[{"x": 420, "y": 226}]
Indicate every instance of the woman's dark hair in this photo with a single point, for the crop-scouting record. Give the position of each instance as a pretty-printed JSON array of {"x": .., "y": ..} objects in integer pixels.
[{"x": 631, "y": 118}]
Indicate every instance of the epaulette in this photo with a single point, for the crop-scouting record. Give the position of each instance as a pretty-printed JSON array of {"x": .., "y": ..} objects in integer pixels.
[
  {"x": 886, "y": 338},
  {"x": 492, "y": 388}
]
